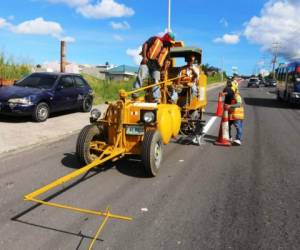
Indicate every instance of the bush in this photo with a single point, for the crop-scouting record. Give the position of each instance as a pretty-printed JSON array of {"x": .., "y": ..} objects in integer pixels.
[
  {"x": 9, "y": 70},
  {"x": 216, "y": 78},
  {"x": 105, "y": 90}
]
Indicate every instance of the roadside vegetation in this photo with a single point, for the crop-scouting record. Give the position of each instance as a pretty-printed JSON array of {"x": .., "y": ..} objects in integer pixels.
[
  {"x": 105, "y": 90},
  {"x": 10, "y": 70},
  {"x": 217, "y": 77}
]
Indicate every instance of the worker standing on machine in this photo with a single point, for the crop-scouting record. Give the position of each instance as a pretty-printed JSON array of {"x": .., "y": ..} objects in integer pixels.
[{"x": 154, "y": 53}]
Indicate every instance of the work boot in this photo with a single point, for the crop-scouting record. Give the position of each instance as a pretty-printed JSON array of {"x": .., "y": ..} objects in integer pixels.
[
  {"x": 197, "y": 140},
  {"x": 238, "y": 142}
]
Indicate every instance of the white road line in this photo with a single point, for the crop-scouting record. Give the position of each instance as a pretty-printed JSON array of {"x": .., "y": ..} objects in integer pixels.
[{"x": 209, "y": 124}]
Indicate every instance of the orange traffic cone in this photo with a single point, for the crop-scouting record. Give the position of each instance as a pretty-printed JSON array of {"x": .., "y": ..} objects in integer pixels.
[
  {"x": 219, "y": 111},
  {"x": 223, "y": 139}
]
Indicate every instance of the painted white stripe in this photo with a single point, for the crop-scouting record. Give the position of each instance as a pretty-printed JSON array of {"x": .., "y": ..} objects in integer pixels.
[{"x": 209, "y": 124}]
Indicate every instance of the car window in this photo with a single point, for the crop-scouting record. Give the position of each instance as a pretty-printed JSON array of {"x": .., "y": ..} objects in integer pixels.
[
  {"x": 79, "y": 82},
  {"x": 37, "y": 81},
  {"x": 66, "y": 82}
]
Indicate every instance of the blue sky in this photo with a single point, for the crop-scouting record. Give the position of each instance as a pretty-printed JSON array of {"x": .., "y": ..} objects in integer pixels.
[{"x": 104, "y": 30}]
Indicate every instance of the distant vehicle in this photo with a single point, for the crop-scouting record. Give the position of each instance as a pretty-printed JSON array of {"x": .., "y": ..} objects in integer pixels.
[
  {"x": 253, "y": 82},
  {"x": 288, "y": 85},
  {"x": 262, "y": 82},
  {"x": 271, "y": 83},
  {"x": 40, "y": 94}
]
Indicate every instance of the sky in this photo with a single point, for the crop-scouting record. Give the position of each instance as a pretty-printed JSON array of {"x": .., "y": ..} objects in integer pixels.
[{"x": 232, "y": 33}]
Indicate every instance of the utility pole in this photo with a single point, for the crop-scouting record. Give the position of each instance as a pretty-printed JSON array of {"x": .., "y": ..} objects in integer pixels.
[
  {"x": 62, "y": 56},
  {"x": 222, "y": 69},
  {"x": 275, "y": 48},
  {"x": 169, "y": 15}
]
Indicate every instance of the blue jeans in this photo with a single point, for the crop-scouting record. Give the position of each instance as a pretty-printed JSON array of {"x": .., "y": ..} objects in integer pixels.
[
  {"x": 238, "y": 124},
  {"x": 144, "y": 71}
]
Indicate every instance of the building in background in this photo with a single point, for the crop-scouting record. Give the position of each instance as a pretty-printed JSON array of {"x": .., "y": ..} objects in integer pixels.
[{"x": 122, "y": 73}]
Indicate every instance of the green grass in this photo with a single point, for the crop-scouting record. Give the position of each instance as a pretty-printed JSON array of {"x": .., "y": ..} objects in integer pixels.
[
  {"x": 10, "y": 70},
  {"x": 213, "y": 79},
  {"x": 105, "y": 90}
]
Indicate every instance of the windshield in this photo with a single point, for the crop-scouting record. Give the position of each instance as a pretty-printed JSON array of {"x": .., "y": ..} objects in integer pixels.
[{"x": 38, "y": 81}]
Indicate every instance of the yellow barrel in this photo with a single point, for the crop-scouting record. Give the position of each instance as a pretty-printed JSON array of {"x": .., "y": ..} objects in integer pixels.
[
  {"x": 169, "y": 121},
  {"x": 164, "y": 120},
  {"x": 176, "y": 119}
]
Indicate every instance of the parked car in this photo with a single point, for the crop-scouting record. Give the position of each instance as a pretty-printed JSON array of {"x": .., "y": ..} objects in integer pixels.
[
  {"x": 253, "y": 82},
  {"x": 40, "y": 94}
]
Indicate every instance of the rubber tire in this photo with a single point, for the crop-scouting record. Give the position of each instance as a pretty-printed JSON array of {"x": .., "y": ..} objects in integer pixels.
[
  {"x": 35, "y": 114},
  {"x": 87, "y": 100},
  {"x": 85, "y": 136},
  {"x": 151, "y": 138}
]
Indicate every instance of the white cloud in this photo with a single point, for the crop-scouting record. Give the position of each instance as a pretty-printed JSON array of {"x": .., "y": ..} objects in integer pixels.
[
  {"x": 278, "y": 22},
  {"x": 228, "y": 39},
  {"x": 38, "y": 26},
  {"x": 118, "y": 38},
  {"x": 120, "y": 26},
  {"x": 3, "y": 22},
  {"x": 135, "y": 54},
  {"x": 71, "y": 3},
  {"x": 105, "y": 9},
  {"x": 224, "y": 22}
]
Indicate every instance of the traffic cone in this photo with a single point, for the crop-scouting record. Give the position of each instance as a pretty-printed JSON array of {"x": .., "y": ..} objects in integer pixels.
[
  {"x": 223, "y": 139},
  {"x": 219, "y": 111}
]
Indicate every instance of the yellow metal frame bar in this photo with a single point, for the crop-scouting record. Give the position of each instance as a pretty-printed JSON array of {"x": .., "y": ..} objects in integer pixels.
[
  {"x": 167, "y": 82},
  {"x": 100, "y": 229},
  {"x": 108, "y": 154}
]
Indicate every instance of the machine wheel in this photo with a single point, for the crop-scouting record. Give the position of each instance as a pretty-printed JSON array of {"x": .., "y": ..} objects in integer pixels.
[
  {"x": 87, "y": 104},
  {"x": 85, "y": 137},
  {"x": 41, "y": 112},
  {"x": 152, "y": 152}
]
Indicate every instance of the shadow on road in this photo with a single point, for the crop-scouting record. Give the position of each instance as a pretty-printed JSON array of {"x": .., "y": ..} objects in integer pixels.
[
  {"x": 129, "y": 165},
  {"x": 269, "y": 103},
  {"x": 21, "y": 119},
  {"x": 17, "y": 217},
  {"x": 71, "y": 161}
]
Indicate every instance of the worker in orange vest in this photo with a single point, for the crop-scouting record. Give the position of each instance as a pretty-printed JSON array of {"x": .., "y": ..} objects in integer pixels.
[
  {"x": 236, "y": 116},
  {"x": 154, "y": 53},
  {"x": 189, "y": 71}
]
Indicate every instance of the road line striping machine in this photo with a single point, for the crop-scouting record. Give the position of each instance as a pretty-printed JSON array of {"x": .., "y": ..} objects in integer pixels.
[{"x": 137, "y": 126}]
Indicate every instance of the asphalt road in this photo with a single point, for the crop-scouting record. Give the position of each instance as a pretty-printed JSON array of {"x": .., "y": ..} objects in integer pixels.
[{"x": 205, "y": 197}]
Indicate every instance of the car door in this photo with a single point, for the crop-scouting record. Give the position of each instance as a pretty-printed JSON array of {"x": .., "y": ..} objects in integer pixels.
[
  {"x": 81, "y": 90},
  {"x": 65, "y": 95}
]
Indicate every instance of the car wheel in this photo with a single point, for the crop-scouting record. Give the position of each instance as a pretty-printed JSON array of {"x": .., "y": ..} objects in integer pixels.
[
  {"x": 41, "y": 112},
  {"x": 152, "y": 152},
  {"x": 86, "y": 136},
  {"x": 87, "y": 104}
]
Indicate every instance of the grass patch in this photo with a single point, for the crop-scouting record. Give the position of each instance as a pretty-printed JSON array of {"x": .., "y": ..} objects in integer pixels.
[
  {"x": 105, "y": 90},
  {"x": 10, "y": 70},
  {"x": 216, "y": 78}
]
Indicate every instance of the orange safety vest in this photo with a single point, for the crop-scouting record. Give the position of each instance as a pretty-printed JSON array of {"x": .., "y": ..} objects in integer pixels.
[
  {"x": 157, "y": 51},
  {"x": 186, "y": 77},
  {"x": 237, "y": 113}
]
